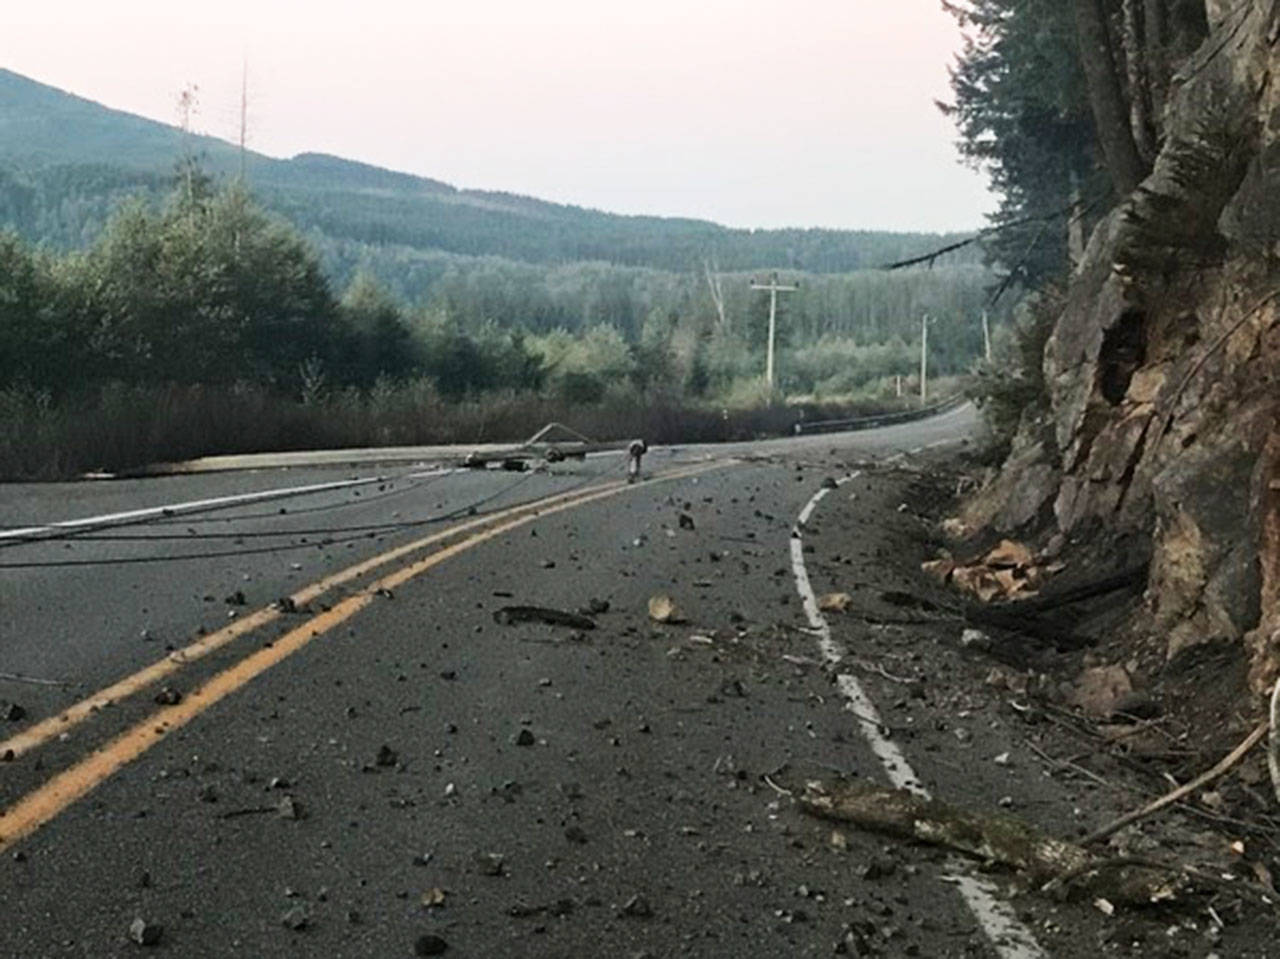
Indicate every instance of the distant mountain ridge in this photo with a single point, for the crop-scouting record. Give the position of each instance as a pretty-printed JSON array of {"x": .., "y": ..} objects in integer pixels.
[{"x": 65, "y": 161}]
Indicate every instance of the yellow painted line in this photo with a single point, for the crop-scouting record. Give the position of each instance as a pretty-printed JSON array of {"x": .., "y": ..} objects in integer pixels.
[
  {"x": 44, "y": 803},
  {"x": 39, "y": 733}
]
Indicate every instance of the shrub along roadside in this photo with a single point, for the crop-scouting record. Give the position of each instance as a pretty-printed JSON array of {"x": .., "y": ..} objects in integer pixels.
[{"x": 123, "y": 427}]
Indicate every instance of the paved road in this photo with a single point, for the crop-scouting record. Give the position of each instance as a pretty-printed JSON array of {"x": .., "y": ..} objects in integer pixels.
[{"x": 294, "y": 726}]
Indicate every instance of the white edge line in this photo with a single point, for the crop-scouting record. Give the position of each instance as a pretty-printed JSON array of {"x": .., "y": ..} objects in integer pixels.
[{"x": 1011, "y": 939}]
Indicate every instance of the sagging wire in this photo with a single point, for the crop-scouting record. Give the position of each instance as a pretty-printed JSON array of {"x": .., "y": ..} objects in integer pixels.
[{"x": 471, "y": 509}]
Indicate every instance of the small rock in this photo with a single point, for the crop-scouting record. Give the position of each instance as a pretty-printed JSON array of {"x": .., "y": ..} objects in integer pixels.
[
  {"x": 429, "y": 945},
  {"x": 524, "y": 738},
  {"x": 975, "y": 639},
  {"x": 433, "y": 898},
  {"x": 732, "y": 689},
  {"x": 879, "y": 868},
  {"x": 663, "y": 609},
  {"x": 1002, "y": 760},
  {"x": 236, "y": 599},
  {"x": 637, "y": 907},
  {"x": 386, "y": 756},
  {"x": 686, "y": 521},
  {"x": 168, "y": 696},
  {"x": 598, "y": 607},
  {"x": 289, "y": 808},
  {"x": 297, "y": 919},
  {"x": 491, "y": 863},
  {"x": 1136, "y": 705},
  {"x": 835, "y": 603},
  {"x": 145, "y": 933}
]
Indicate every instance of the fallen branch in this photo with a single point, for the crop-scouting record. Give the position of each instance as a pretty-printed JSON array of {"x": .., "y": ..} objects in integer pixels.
[
  {"x": 1273, "y": 744},
  {"x": 1227, "y": 764},
  {"x": 250, "y": 811},
  {"x": 1053, "y": 864},
  {"x": 1009, "y": 617},
  {"x": 1136, "y": 576},
  {"x": 882, "y": 672},
  {"x": 541, "y": 614}
]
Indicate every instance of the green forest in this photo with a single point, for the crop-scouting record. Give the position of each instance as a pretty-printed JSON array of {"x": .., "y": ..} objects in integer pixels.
[{"x": 135, "y": 256}]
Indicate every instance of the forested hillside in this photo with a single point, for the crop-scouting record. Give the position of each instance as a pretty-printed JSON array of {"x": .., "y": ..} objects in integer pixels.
[
  {"x": 135, "y": 256},
  {"x": 65, "y": 161}
]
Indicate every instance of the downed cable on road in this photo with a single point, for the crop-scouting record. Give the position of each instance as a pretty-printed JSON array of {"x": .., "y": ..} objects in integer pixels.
[{"x": 471, "y": 509}]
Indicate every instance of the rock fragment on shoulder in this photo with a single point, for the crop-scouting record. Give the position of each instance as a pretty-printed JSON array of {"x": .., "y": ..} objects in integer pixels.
[{"x": 145, "y": 933}]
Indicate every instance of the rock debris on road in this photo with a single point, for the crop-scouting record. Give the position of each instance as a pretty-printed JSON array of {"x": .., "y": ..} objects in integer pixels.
[{"x": 442, "y": 778}]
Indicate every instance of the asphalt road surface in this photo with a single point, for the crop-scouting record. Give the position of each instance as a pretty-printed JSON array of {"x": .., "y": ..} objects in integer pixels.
[{"x": 297, "y": 726}]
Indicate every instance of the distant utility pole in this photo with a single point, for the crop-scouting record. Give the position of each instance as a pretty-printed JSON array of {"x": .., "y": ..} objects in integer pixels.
[
  {"x": 924, "y": 359},
  {"x": 188, "y": 101},
  {"x": 986, "y": 335},
  {"x": 244, "y": 111},
  {"x": 774, "y": 288}
]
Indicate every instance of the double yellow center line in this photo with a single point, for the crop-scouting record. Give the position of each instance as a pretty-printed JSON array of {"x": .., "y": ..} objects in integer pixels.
[{"x": 38, "y": 807}]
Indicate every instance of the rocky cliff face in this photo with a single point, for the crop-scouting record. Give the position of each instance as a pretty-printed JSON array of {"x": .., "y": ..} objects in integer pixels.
[{"x": 1164, "y": 366}]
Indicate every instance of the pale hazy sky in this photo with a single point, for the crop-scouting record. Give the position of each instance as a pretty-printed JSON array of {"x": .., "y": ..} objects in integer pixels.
[{"x": 754, "y": 113}]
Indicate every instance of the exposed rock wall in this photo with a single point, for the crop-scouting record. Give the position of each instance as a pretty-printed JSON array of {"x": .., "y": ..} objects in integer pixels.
[{"x": 1164, "y": 366}]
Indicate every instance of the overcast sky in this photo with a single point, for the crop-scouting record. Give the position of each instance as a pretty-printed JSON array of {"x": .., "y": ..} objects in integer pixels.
[{"x": 754, "y": 113}]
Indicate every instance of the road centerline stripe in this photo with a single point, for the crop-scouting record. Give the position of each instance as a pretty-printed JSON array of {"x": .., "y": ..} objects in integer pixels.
[
  {"x": 1011, "y": 939},
  {"x": 44, "y": 730},
  {"x": 44, "y": 803}
]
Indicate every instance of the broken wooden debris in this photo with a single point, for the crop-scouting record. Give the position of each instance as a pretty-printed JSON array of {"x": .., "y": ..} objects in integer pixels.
[
  {"x": 1221, "y": 769},
  {"x": 510, "y": 615},
  {"x": 835, "y": 602},
  {"x": 1273, "y": 742},
  {"x": 1053, "y": 864}
]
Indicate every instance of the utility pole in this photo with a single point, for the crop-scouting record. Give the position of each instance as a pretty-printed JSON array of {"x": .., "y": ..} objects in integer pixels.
[
  {"x": 924, "y": 359},
  {"x": 774, "y": 288},
  {"x": 244, "y": 111},
  {"x": 187, "y": 103},
  {"x": 986, "y": 335}
]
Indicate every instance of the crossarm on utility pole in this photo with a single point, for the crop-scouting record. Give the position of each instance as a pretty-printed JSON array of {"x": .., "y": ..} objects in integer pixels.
[{"x": 774, "y": 288}]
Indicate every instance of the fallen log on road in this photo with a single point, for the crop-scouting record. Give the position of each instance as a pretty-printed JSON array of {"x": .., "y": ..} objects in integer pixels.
[{"x": 1052, "y": 864}]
